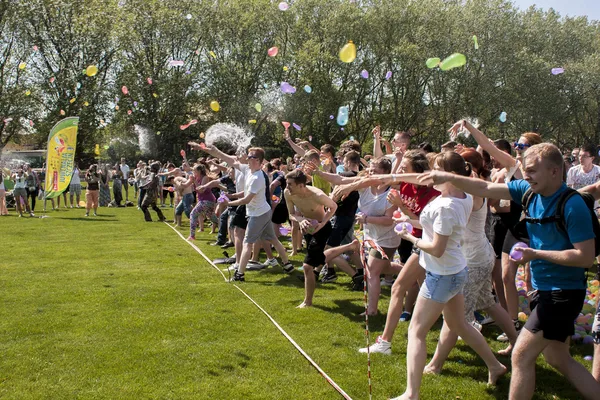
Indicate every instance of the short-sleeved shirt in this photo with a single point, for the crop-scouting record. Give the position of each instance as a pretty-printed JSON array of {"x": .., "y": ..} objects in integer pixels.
[
  {"x": 446, "y": 216},
  {"x": 75, "y": 179},
  {"x": 546, "y": 275},
  {"x": 125, "y": 170},
  {"x": 373, "y": 205},
  {"x": 255, "y": 184},
  {"x": 229, "y": 183}
]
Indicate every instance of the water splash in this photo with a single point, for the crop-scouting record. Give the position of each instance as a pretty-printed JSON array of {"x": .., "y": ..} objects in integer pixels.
[
  {"x": 145, "y": 138},
  {"x": 229, "y": 135}
]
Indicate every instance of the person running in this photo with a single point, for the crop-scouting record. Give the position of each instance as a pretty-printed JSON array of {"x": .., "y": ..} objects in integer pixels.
[
  {"x": 314, "y": 222},
  {"x": 92, "y": 193},
  {"x": 151, "y": 193},
  {"x": 557, "y": 260},
  {"x": 258, "y": 208},
  {"x": 206, "y": 202}
]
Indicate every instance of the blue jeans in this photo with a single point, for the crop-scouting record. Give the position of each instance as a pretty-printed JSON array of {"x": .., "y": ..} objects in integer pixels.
[
  {"x": 442, "y": 288},
  {"x": 223, "y": 226},
  {"x": 185, "y": 205}
]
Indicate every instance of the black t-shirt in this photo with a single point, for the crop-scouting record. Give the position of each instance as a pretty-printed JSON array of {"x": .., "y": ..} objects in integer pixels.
[
  {"x": 349, "y": 205},
  {"x": 227, "y": 181}
]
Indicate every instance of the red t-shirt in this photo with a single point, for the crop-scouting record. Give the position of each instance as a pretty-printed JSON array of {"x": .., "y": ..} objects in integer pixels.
[{"x": 416, "y": 198}]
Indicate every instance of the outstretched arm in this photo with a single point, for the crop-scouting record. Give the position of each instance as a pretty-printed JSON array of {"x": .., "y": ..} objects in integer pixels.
[
  {"x": 213, "y": 151},
  {"x": 298, "y": 149},
  {"x": 474, "y": 186},
  {"x": 377, "y": 142},
  {"x": 504, "y": 159},
  {"x": 593, "y": 189}
]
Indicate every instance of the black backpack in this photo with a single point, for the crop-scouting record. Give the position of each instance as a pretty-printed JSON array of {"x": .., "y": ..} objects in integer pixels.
[{"x": 558, "y": 217}]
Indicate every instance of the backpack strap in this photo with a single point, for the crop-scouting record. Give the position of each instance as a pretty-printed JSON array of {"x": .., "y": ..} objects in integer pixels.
[{"x": 525, "y": 200}]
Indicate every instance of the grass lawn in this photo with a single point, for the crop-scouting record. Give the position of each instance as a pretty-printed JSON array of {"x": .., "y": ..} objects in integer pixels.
[{"x": 112, "y": 307}]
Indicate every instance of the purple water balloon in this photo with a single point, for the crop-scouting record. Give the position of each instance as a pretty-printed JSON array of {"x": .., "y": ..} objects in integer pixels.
[
  {"x": 332, "y": 117},
  {"x": 222, "y": 197},
  {"x": 557, "y": 71},
  {"x": 364, "y": 74},
  {"x": 135, "y": 103},
  {"x": 588, "y": 358},
  {"x": 283, "y": 6},
  {"x": 287, "y": 88},
  {"x": 388, "y": 75},
  {"x": 297, "y": 127},
  {"x": 404, "y": 225},
  {"x": 516, "y": 254},
  {"x": 284, "y": 231}
]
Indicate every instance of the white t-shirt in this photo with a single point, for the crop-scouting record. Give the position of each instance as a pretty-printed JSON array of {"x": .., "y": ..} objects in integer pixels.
[
  {"x": 447, "y": 216},
  {"x": 240, "y": 180},
  {"x": 375, "y": 206},
  {"x": 75, "y": 180},
  {"x": 577, "y": 179},
  {"x": 255, "y": 183},
  {"x": 125, "y": 170}
]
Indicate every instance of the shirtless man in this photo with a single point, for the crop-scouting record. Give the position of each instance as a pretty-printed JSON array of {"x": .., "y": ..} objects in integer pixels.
[{"x": 314, "y": 223}]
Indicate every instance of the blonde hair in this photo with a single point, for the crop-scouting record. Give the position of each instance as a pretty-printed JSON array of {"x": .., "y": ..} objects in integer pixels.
[{"x": 544, "y": 152}]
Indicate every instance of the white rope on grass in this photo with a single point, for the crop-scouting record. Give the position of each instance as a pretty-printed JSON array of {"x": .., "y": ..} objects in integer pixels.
[{"x": 283, "y": 332}]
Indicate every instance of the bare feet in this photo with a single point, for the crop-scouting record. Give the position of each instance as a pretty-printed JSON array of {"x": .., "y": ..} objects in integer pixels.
[
  {"x": 431, "y": 370},
  {"x": 495, "y": 374},
  {"x": 405, "y": 397},
  {"x": 304, "y": 305},
  {"x": 371, "y": 314},
  {"x": 293, "y": 253},
  {"x": 507, "y": 351}
]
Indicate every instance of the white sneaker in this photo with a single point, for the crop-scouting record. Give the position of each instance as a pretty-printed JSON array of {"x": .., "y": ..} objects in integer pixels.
[
  {"x": 232, "y": 267},
  {"x": 380, "y": 346},
  {"x": 386, "y": 283},
  {"x": 271, "y": 263},
  {"x": 477, "y": 325},
  {"x": 502, "y": 338}
]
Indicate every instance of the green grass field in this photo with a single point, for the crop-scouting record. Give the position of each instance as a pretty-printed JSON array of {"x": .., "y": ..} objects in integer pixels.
[{"x": 112, "y": 307}]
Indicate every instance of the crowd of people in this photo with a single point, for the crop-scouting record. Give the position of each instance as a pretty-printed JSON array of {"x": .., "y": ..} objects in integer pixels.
[{"x": 446, "y": 230}]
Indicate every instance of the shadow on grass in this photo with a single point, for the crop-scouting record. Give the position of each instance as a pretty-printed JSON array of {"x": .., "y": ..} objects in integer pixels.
[{"x": 91, "y": 219}]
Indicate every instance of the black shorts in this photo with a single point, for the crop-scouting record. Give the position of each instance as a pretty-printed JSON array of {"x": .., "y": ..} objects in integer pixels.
[
  {"x": 280, "y": 213},
  {"x": 405, "y": 250},
  {"x": 509, "y": 241},
  {"x": 553, "y": 312},
  {"x": 239, "y": 218},
  {"x": 341, "y": 226},
  {"x": 315, "y": 246},
  {"x": 499, "y": 232}
]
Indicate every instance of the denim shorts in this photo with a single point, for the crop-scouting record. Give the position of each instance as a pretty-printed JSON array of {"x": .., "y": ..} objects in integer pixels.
[{"x": 442, "y": 288}]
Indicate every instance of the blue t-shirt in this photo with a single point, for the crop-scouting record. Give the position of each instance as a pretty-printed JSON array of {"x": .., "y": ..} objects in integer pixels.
[{"x": 546, "y": 275}]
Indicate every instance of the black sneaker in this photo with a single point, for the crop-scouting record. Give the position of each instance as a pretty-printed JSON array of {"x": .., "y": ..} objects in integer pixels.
[
  {"x": 329, "y": 278},
  {"x": 288, "y": 267},
  {"x": 237, "y": 277},
  {"x": 227, "y": 245},
  {"x": 358, "y": 282},
  {"x": 301, "y": 277}
]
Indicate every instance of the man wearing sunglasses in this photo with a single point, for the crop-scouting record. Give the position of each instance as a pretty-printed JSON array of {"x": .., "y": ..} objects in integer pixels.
[{"x": 258, "y": 209}]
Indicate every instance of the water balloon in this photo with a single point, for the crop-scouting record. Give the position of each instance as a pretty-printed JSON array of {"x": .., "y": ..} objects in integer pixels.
[
  {"x": 397, "y": 214},
  {"x": 310, "y": 138},
  {"x": 72, "y": 101},
  {"x": 202, "y": 135},
  {"x": 192, "y": 122},
  {"x": 307, "y": 89},
  {"x": 189, "y": 16},
  {"x": 176, "y": 63},
  {"x": 475, "y": 42},
  {"x": 348, "y": 52},
  {"x": 272, "y": 52},
  {"x": 283, "y": 6},
  {"x": 27, "y": 92},
  {"x": 557, "y": 71},
  {"x": 91, "y": 70},
  {"x": 364, "y": 74},
  {"x": 588, "y": 358},
  {"x": 35, "y": 48},
  {"x": 432, "y": 62},
  {"x": 388, "y": 75},
  {"x": 342, "y": 117},
  {"x": 85, "y": 104},
  {"x": 284, "y": 231},
  {"x": 502, "y": 117},
  {"x": 222, "y": 197},
  {"x": 297, "y": 127},
  {"x": 52, "y": 80},
  {"x": 251, "y": 121},
  {"x": 403, "y": 226},
  {"x": 22, "y": 65},
  {"x": 125, "y": 90},
  {"x": 287, "y": 88},
  {"x": 129, "y": 112},
  {"x": 331, "y": 117},
  {"x": 517, "y": 254},
  {"x": 215, "y": 106},
  {"x": 117, "y": 108},
  {"x": 62, "y": 112},
  {"x": 182, "y": 153},
  {"x": 212, "y": 54},
  {"x": 135, "y": 103},
  {"x": 286, "y": 68},
  {"x": 155, "y": 95},
  {"x": 285, "y": 124},
  {"x": 258, "y": 107},
  {"x": 453, "y": 61},
  {"x": 78, "y": 86}
]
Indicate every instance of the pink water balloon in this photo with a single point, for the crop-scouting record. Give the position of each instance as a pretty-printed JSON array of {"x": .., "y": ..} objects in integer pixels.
[{"x": 272, "y": 52}]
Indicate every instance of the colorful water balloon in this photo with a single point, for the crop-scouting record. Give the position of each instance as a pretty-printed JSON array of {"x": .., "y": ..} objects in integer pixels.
[
  {"x": 129, "y": 112},
  {"x": 27, "y": 92},
  {"x": 307, "y": 89},
  {"x": 557, "y": 71},
  {"x": 192, "y": 122},
  {"x": 502, "y": 117},
  {"x": 85, "y": 104},
  {"x": 388, "y": 75},
  {"x": 348, "y": 52},
  {"x": 331, "y": 117},
  {"x": 272, "y": 52},
  {"x": 176, "y": 63},
  {"x": 22, "y": 66},
  {"x": 252, "y": 121},
  {"x": 453, "y": 61},
  {"x": 202, "y": 135},
  {"x": 91, "y": 70},
  {"x": 212, "y": 54},
  {"x": 135, "y": 103},
  {"x": 182, "y": 153},
  {"x": 258, "y": 107},
  {"x": 310, "y": 138},
  {"x": 149, "y": 80},
  {"x": 297, "y": 127},
  {"x": 287, "y": 88},
  {"x": 35, "y": 48},
  {"x": 155, "y": 95},
  {"x": 517, "y": 254},
  {"x": 62, "y": 112},
  {"x": 189, "y": 16},
  {"x": 286, "y": 68},
  {"x": 52, "y": 80},
  {"x": 283, "y": 6},
  {"x": 364, "y": 74},
  {"x": 403, "y": 226},
  {"x": 342, "y": 117},
  {"x": 475, "y": 42},
  {"x": 215, "y": 106},
  {"x": 125, "y": 90},
  {"x": 432, "y": 62},
  {"x": 72, "y": 100},
  {"x": 285, "y": 124},
  {"x": 397, "y": 214}
]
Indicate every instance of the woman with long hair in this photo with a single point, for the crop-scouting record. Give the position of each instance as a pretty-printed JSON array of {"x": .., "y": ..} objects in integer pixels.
[{"x": 206, "y": 201}]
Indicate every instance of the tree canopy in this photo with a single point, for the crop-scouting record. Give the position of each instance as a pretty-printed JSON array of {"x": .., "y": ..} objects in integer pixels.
[{"x": 161, "y": 63}]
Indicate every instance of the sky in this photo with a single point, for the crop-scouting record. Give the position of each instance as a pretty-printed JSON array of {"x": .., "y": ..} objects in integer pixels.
[{"x": 573, "y": 8}]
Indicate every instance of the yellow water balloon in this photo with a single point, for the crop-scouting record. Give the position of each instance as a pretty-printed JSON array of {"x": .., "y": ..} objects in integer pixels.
[
  {"x": 22, "y": 65},
  {"x": 155, "y": 95},
  {"x": 212, "y": 54},
  {"x": 72, "y": 101},
  {"x": 91, "y": 70},
  {"x": 27, "y": 92},
  {"x": 348, "y": 52},
  {"x": 251, "y": 121},
  {"x": 453, "y": 61},
  {"x": 258, "y": 107},
  {"x": 201, "y": 135},
  {"x": 85, "y": 104},
  {"x": 215, "y": 106}
]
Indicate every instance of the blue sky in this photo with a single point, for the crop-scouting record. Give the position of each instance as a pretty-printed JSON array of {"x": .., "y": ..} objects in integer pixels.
[{"x": 589, "y": 8}]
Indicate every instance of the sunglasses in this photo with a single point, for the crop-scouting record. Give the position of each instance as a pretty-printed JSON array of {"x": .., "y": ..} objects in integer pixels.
[
  {"x": 253, "y": 157},
  {"x": 521, "y": 146}
]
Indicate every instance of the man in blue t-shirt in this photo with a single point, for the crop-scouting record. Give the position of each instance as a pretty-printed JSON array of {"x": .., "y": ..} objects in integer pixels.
[{"x": 557, "y": 261}]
